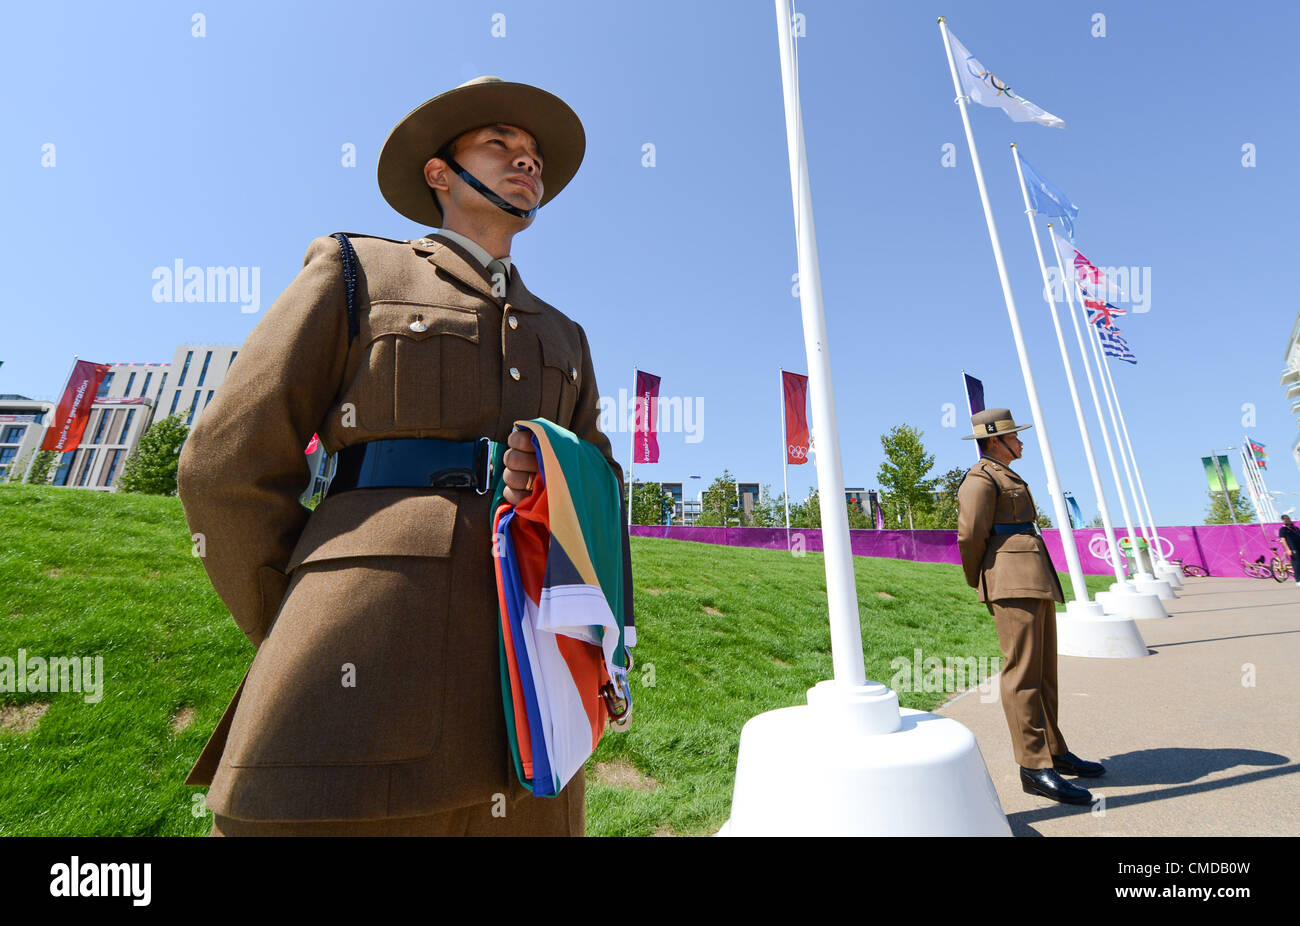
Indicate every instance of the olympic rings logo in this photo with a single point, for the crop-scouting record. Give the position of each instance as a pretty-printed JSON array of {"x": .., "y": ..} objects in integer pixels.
[
  {"x": 797, "y": 453},
  {"x": 1100, "y": 548}
]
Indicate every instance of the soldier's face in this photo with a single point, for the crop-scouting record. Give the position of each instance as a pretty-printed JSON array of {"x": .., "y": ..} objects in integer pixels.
[
  {"x": 1014, "y": 445},
  {"x": 506, "y": 159}
]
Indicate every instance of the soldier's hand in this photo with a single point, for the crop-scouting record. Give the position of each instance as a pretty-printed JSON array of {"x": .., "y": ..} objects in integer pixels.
[{"x": 521, "y": 467}]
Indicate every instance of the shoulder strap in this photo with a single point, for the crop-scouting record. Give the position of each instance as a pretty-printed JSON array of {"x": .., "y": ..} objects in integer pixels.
[{"x": 350, "y": 280}]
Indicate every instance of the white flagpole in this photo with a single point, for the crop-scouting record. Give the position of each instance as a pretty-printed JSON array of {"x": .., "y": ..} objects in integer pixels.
[
  {"x": 37, "y": 449},
  {"x": 1099, "y": 355},
  {"x": 1036, "y": 411},
  {"x": 1079, "y": 584},
  {"x": 841, "y": 587},
  {"x": 631, "y": 459},
  {"x": 1117, "y": 561},
  {"x": 785, "y": 459},
  {"x": 1269, "y": 505},
  {"x": 1253, "y": 489},
  {"x": 1140, "y": 496}
]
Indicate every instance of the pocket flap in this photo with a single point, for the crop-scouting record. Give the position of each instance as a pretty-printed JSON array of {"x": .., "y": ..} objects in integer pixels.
[
  {"x": 1019, "y": 543},
  {"x": 377, "y": 522},
  {"x": 429, "y": 319},
  {"x": 558, "y": 356}
]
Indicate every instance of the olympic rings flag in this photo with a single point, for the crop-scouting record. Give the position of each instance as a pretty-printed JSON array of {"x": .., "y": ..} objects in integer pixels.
[{"x": 796, "y": 417}]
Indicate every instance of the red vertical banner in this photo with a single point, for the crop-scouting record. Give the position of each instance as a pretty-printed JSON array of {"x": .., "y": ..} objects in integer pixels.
[
  {"x": 69, "y": 423},
  {"x": 647, "y": 398},
  {"x": 796, "y": 417}
]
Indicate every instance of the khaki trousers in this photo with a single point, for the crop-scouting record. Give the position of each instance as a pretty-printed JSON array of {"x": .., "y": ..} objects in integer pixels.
[
  {"x": 563, "y": 815},
  {"x": 1027, "y": 634}
]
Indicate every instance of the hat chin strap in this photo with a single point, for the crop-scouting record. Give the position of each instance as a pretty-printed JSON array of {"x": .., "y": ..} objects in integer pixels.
[{"x": 482, "y": 187}]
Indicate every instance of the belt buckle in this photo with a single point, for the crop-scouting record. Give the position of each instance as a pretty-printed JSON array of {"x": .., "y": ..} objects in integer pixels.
[{"x": 483, "y": 466}]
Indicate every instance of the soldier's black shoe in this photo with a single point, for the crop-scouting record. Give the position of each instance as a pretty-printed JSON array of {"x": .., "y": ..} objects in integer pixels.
[
  {"x": 1073, "y": 765},
  {"x": 1047, "y": 783}
]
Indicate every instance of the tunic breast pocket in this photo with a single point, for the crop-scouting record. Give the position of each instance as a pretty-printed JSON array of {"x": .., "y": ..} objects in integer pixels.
[
  {"x": 421, "y": 368},
  {"x": 560, "y": 383}
]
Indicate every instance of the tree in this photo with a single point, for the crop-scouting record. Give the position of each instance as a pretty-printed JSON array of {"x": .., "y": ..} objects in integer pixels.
[
  {"x": 1217, "y": 512},
  {"x": 768, "y": 511},
  {"x": 944, "y": 515},
  {"x": 903, "y": 474},
  {"x": 1041, "y": 516},
  {"x": 1095, "y": 522},
  {"x": 651, "y": 504},
  {"x": 40, "y": 473},
  {"x": 807, "y": 513},
  {"x": 720, "y": 506},
  {"x": 151, "y": 467}
]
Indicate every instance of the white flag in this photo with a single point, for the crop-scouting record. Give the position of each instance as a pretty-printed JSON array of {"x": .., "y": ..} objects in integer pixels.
[{"x": 987, "y": 89}]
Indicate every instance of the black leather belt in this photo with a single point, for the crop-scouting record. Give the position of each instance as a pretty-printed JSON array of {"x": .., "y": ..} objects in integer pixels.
[
  {"x": 1028, "y": 527},
  {"x": 418, "y": 462}
]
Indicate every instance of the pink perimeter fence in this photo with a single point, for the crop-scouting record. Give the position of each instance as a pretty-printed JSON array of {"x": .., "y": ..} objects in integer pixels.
[{"x": 1217, "y": 547}]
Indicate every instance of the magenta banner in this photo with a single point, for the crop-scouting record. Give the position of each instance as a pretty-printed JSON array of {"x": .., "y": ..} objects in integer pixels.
[{"x": 1217, "y": 547}]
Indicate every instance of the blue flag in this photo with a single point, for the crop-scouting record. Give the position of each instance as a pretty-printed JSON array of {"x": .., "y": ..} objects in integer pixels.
[
  {"x": 1049, "y": 200},
  {"x": 1115, "y": 346}
]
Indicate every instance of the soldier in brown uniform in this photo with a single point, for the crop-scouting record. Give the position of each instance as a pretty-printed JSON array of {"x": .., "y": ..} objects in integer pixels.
[
  {"x": 1004, "y": 556},
  {"x": 373, "y": 704}
]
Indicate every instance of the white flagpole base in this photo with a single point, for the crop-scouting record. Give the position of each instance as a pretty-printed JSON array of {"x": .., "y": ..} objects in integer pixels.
[
  {"x": 1123, "y": 600},
  {"x": 1149, "y": 585},
  {"x": 1086, "y": 630},
  {"x": 852, "y": 763},
  {"x": 1170, "y": 573}
]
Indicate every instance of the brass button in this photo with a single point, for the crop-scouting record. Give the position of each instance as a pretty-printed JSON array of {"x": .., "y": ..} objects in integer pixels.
[
  {"x": 514, "y": 373},
  {"x": 514, "y": 322},
  {"x": 418, "y": 324},
  {"x": 573, "y": 374}
]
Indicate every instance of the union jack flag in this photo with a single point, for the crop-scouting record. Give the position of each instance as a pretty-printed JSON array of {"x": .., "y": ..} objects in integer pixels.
[{"x": 1100, "y": 312}]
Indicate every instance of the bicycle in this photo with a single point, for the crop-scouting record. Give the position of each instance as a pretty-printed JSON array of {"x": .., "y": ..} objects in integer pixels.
[
  {"x": 1190, "y": 569},
  {"x": 1256, "y": 570},
  {"x": 1280, "y": 566}
]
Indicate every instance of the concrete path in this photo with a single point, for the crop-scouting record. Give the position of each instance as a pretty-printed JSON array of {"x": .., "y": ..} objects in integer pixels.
[{"x": 1199, "y": 738}]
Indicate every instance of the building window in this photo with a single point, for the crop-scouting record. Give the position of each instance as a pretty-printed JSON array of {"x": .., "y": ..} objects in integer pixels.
[
  {"x": 233, "y": 355},
  {"x": 65, "y": 464},
  {"x": 105, "y": 386},
  {"x": 7, "y": 455},
  {"x": 110, "y": 469},
  {"x": 130, "y": 381},
  {"x": 189, "y": 355},
  {"x": 203, "y": 374},
  {"x": 176, "y": 398},
  {"x": 162, "y": 383},
  {"x": 209, "y": 398},
  {"x": 144, "y": 390},
  {"x": 13, "y": 434},
  {"x": 193, "y": 405},
  {"x": 99, "y": 428},
  {"x": 87, "y": 465},
  {"x": 126, "y": 427}
]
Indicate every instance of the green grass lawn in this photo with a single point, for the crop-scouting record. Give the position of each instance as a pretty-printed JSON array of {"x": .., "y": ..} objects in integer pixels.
[{"x": 724, "y": 634}]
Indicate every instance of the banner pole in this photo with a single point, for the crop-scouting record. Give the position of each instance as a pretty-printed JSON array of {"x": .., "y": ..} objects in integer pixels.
[
  {"x": 631, "y": 460},
  {"x": 785, "y": 479},
  {"x": 1035, "y": 409}
]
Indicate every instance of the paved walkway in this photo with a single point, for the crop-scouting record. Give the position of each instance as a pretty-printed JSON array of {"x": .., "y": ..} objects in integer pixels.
[{"x": 1189, "y": 748}]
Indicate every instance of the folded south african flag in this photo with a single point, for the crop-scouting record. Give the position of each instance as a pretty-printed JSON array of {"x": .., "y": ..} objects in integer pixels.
[{"x": 564, "y": 595}]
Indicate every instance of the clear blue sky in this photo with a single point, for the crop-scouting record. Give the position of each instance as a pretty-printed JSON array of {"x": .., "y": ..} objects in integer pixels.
[{"x": 225, "y": 150}]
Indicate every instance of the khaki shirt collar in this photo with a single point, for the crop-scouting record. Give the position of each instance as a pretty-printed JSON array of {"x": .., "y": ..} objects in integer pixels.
[{"x": 456, "y": 259}]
